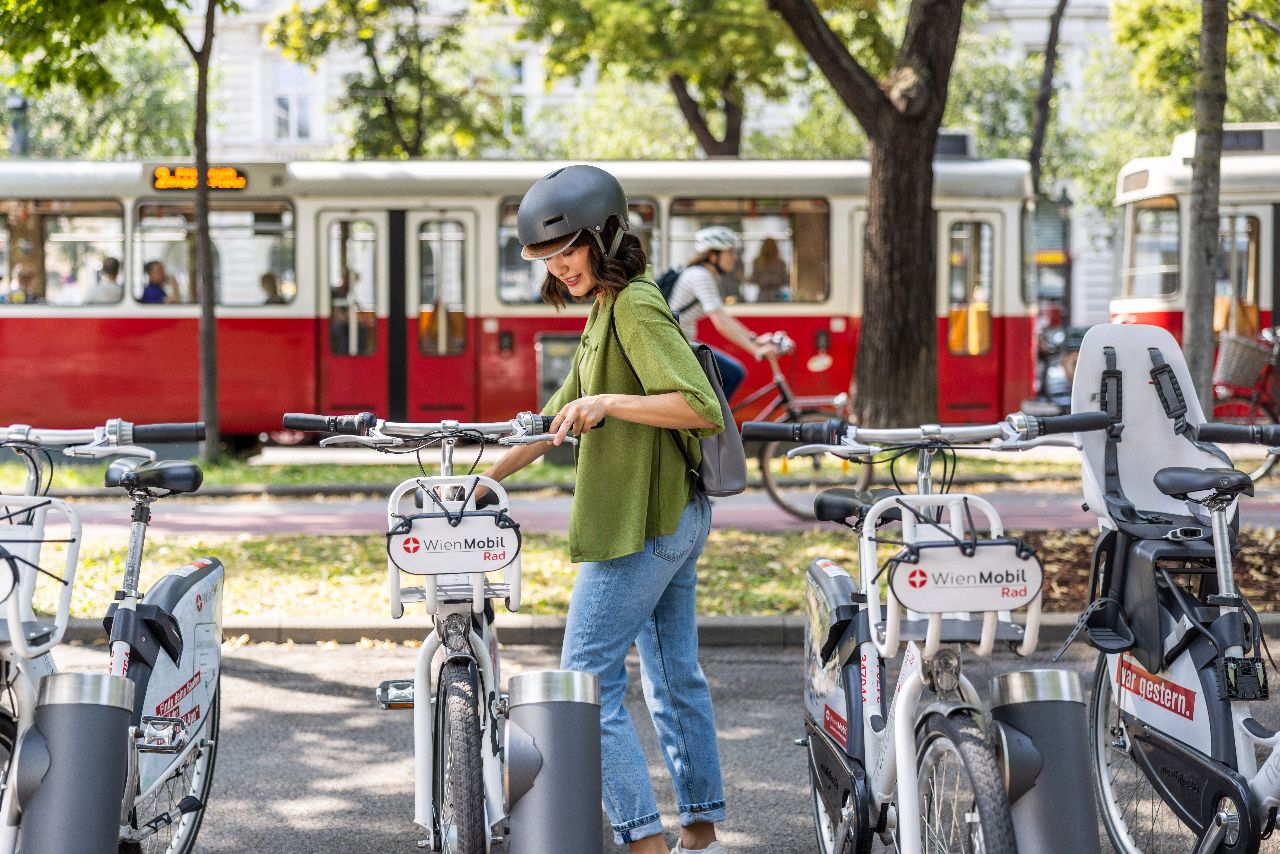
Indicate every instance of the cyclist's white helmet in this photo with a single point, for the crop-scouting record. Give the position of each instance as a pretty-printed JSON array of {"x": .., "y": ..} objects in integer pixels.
[{"x": 716, "y": 237}]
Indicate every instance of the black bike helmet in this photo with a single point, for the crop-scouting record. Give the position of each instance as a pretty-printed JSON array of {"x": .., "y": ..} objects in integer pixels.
[{"x": 566, "y": 203}]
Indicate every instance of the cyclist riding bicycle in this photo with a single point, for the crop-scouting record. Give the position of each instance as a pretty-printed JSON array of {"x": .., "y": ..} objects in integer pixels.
[
  {"x": 638, "y": 523},
  {"x": 697, "y": 295}
]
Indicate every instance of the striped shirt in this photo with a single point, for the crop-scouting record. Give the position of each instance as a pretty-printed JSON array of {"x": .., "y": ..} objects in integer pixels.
[{"x": 695, "y": 295}]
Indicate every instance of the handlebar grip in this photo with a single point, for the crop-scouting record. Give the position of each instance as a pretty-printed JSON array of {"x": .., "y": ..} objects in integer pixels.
[
  {"x": 811, "y": 432},
  {"x": 1258, "y": 434},
  {"x": 347, "y": 425},
  {"x": 1076, "y": 422},
  {"x": 191, "y": 431},
  {"x": 542, "y": 423}
]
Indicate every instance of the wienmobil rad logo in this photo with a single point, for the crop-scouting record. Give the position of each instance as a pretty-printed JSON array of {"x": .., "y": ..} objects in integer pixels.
[{"x": 917, "y": 578}]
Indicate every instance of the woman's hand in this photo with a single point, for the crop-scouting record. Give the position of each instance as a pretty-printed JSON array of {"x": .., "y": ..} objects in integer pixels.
[{"x": 579, "y": 416}]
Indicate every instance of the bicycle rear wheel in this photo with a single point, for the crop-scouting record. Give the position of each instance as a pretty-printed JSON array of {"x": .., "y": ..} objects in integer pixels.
[
  {"x": 459, "y": 785},
  {"x": 193, "y": 778},
  {"x": 963, "y": 806},
  {"x": 794, "y": 484},
  {"x": 1137, "y": 819}
]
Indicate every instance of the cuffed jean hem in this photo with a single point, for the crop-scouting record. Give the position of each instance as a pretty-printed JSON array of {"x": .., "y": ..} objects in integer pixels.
[
  {"x": 711, "y": 813},
  {"x": 640, "y": 828}
]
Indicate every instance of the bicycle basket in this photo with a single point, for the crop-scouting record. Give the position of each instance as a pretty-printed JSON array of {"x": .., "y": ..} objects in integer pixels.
[{"x": 1240, "y": 362}]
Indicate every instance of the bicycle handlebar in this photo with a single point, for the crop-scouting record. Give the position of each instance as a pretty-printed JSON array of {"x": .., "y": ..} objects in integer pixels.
[
  {"x": 115, "y": 432},
  {"x": 1017, "y": 427},
  {"x": 189, "y": 431},
  {"x": 345, "y": 425},
  {"x": 814, "y": 432},
  {"x": 1076, "y": 422},
  {"x": 1256, "y": 434},
  {"x": 366, "y": 424}
]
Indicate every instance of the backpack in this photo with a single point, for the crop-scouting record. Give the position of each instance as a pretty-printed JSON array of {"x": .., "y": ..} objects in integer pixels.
[
  {"x": 667, "y": 284},
  {"x": 723, "y": 470}
]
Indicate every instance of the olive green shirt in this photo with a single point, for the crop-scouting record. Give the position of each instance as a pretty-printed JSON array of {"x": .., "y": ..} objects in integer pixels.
[{"x": 632, "y": 481}]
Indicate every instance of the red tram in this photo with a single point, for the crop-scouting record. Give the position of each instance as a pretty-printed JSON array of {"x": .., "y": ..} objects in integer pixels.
[{"x": 399, "y": 288}]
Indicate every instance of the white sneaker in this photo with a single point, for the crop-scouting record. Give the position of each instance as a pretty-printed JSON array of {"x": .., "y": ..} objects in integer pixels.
[{"x": 713, "y": 848}]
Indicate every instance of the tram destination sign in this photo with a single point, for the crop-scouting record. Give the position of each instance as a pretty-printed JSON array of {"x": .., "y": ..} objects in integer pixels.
[{"x": 184, "y": 178}]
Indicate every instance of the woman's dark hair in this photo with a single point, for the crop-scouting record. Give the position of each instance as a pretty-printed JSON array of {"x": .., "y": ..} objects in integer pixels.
[{"x": 611, "y": 274}]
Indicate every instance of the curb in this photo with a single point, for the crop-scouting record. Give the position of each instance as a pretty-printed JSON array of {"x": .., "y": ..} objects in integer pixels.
[
  {"x": 778, "y": 632},
  {"x": 343, "y": 490}
]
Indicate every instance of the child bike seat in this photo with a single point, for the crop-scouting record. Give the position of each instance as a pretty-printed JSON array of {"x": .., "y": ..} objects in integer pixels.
[
  {"x": 840, "y": 504},
  {"x": 172, "y": 476},
  {"x": 1178, "y": 481}
]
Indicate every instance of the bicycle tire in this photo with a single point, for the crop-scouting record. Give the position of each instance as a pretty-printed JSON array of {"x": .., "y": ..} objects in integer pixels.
[
  {"x": 794, "y": 493},
  {"x": 458, "y": 791},
  {"x": 953, "y": 749},
  {"x": 197, "y": 774},
  {"x": 1142, "y": 823},
  {"x": 1243, "y": 410}
]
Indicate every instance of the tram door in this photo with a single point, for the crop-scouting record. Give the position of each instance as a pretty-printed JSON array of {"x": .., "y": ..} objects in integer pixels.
[
  {"x": 969, "y": 298},
  {"x": 440, "y": 304},
  {"x": 353, "y": 248}
]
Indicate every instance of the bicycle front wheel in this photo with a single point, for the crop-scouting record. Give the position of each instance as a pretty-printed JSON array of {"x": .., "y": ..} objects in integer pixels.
[
  {"x": 459, "y": 783},
  {"x": 963, "y": 806},
  {"x": 1137, "y": 819},
  {"x": 794, "y": 484},
  {"x": 192, "y": 778}
]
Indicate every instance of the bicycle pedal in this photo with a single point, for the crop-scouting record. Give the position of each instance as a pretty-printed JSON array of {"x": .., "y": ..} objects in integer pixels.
[
  {"x": 1242, "y": 679},
  {"x": 395, "y": 694},
  {"x": 161, "y": 735}
]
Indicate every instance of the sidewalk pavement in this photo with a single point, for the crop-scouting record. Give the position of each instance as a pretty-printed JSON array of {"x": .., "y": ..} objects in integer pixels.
[{"x": 777, "y": 632}]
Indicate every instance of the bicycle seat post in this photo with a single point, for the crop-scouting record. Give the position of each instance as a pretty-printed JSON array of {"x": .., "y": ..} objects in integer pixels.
[
  {"x": 1222, "y": 549},
  {"x": 137, "y": 539}
]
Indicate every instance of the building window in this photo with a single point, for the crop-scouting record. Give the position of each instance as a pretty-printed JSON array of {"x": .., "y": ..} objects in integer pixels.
[
  {"x": 520, "y": 281},
  {"x": 61, "y": 252},
  {"x": 253, "y": 253},
  {"x": 784, "y": 255},
  {"x": 292, "y": 104}
]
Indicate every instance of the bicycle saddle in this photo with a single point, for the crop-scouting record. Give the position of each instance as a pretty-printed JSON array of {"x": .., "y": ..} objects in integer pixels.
[
  {"x": 840, "y": 503},
  {"x": 1176, "y": 482},
  {"x": 172, "y": 476}
]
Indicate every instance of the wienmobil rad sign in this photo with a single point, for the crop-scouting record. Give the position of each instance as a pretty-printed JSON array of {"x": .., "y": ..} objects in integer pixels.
[
  {"x": 434, "y": 547},
  {"x": 943, "y": 579}
]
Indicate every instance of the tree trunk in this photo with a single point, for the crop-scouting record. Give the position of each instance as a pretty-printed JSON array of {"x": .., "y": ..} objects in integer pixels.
[
  {"x": 897, "y": 346},
  {"x": 204, "y": 251},
  {"x": 731, "y": 145},
  {"x": 1202, "y": 252},
  {"x": 1044, "y": 98}
]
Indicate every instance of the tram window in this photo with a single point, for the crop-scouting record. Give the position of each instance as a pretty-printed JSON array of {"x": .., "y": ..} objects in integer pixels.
[
  {"x": 1151, "y": 248},
  {"x": 520, "y": 281},
  {"x": 442, "y": 315},
  {"x": 352, "y": 287},
  {"x": 60, "y": 252},
  {"x": 1235, "y": 302},
  {"x": 969, "y": 288},
  {"x": 784, "y": 245},
  {"x": 253, "y": 253}
]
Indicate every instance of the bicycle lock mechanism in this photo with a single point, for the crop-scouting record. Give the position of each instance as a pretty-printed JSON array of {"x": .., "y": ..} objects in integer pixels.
[
  {"x": 552, "y": 774},
  {"x": 74, "y": 756},
  {"x": 1040, "y": 730}
]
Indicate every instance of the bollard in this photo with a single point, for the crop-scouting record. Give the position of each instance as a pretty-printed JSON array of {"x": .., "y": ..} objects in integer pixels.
[
  {"x": 552, "y": 770},
  {"x": 1042, "y": 741},
  {"x": 72, "y": 764}
]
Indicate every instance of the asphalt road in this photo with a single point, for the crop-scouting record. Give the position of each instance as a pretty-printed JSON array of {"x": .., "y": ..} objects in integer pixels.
[{"x": 307, "y": 764}]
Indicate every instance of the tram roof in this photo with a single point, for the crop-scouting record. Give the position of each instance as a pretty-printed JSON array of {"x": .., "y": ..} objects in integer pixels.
[
  {"x": 1148, "y": 177},
  {"x": 959, "y": 177}
]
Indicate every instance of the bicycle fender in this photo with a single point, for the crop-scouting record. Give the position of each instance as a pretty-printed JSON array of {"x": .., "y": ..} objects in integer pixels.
[{"x": 946, "y": 708}]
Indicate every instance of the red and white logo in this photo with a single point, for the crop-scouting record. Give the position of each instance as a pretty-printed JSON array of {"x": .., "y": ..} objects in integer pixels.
[
  {"x": 412, "y": 544},
  {"x": 199, "y": 602},
  {"x": 835, "y": 725},
  {"x": 1164, "y": 693},
  {"x": 917, "y": 578}
]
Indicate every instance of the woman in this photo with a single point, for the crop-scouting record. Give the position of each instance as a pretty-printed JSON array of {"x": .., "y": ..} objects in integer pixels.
[
  {"x": 697, "y": 295},
  {"x": 638, "y": 525}
]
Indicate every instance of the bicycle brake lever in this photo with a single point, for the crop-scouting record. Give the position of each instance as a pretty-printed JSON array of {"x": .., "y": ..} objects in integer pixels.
[
  {"x": 95, "y": 451},
  {"x": 845, "y": 451},
  {"x": 362, "y": 441},
  {"x": 534, "y": 439}
]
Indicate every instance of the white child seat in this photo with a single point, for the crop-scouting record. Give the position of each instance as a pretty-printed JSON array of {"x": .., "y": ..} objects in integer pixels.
[{"x": 1149, "y": 438}]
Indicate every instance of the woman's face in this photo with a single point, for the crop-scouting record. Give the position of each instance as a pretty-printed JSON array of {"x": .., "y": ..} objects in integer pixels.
[{"x": 573, "y": 268}]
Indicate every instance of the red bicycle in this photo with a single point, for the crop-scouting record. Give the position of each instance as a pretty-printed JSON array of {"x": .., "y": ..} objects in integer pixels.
[{"x": 1244, "y": 379}]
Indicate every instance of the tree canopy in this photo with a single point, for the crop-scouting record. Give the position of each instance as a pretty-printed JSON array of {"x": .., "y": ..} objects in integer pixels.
[{"x": 428, "y": 86}]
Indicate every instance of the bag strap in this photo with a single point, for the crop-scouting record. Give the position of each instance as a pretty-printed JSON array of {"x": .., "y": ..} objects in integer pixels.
[{"x": 675, "y": 436}]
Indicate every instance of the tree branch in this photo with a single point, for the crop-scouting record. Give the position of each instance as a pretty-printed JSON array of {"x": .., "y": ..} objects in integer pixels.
[
  {"x": 1044, "y": 98},
  {"x": 1263, "y": 20},
  {"x": 857, "y": 89},
  {"x": 387, "y": 91},
  {"x": 693, "y": 115}
]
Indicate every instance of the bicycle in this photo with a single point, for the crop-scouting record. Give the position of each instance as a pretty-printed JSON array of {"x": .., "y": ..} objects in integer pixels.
[
  {"x": 467, "y": 788},
  {"x": 862, "y": 741},
  {"x": 163, "y": 675},
  {"x": 1244, "y": 380},
  {"x": 793, "y": 486}
]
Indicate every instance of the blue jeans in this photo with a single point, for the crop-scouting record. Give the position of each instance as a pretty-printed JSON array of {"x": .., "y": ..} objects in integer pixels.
[
  {"x": 648, "y": 598},
  {"x": 732, "y": 373}
]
